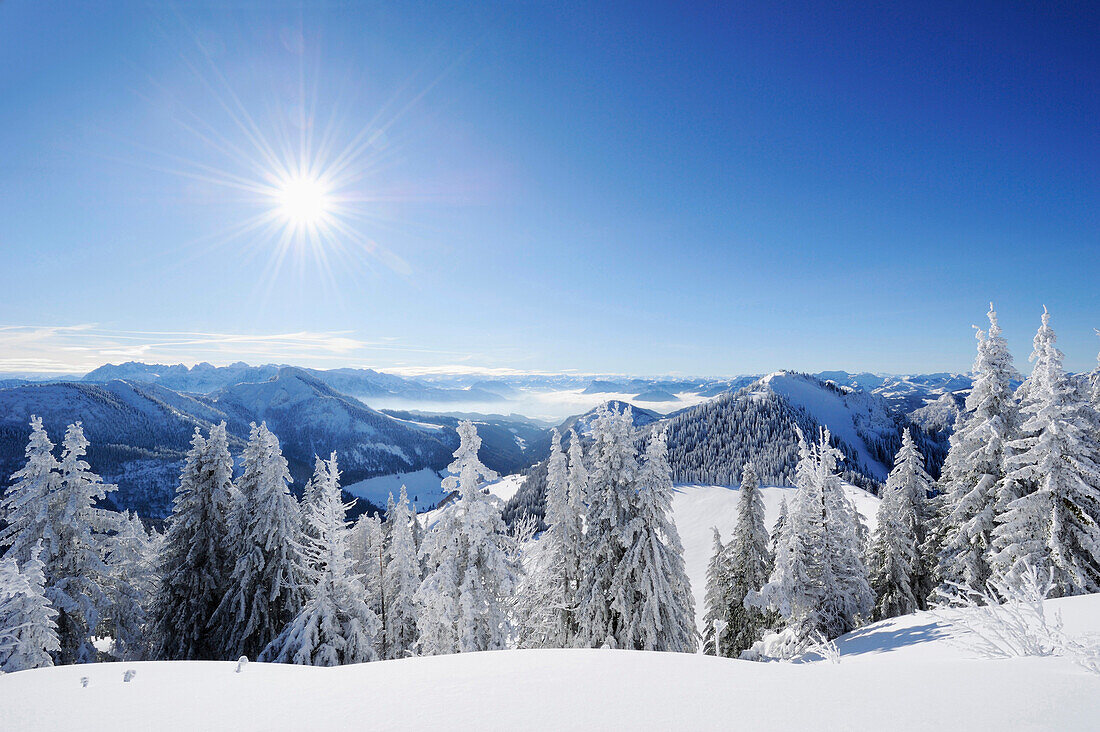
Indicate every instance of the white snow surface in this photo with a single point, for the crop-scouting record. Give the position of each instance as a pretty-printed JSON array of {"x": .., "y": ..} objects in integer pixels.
[
  {"x": 424, "y": 488},
  {"x": 697, "y": 509},
  {"x": 903, "y": 674}
]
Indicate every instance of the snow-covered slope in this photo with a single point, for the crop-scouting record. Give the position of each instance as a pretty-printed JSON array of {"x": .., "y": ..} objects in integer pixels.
[
  {"x": 697, "y": 509},
  {"x": 856, "y": 417},
  {"x": 901, "y": 675}
]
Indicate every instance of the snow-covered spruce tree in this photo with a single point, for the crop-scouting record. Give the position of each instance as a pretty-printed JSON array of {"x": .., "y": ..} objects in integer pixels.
[
  {"x": 612, "y": 482},
  {"x": 550, "y": 596},
  {"x": 401, "y": 581},
  {"x": 897, "y": 575},
  {"x": 659, "y": 610},
  {"x": 849, "y": 601},
  {"x": 716, "y": 617},
  {"x": 76, "y": 574},
  {"x": 312, "y": 495},
  {"x": 335, "y": 626},
  {"x": 492, "y": 569},
  {"x": 750, "y": 564},
  {"x": 131, "y": 586},
  {"x": 973, "y": 473},
  {"x": 194, "y": 562},
  {"x": 24, "y": 508},
  {"x": 796, "y": 589},
  {"x": 368, "y": 554},
  {"x": 779, "y": 528},
  {"x": 28, "y": 631},
  {"x": 472, "y": 566},
  {"x": 266, "y": 589},
  {"x": 437, "y": 596},
  {"x": 819, "y": 584},
  {"x": 1053, "y": 527}
]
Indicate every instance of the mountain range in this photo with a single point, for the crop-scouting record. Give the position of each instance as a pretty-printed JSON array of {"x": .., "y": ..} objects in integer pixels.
[{"x": 140, "y": 425}]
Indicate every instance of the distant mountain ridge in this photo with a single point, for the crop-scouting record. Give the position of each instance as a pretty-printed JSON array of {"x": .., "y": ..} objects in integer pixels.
[
  {"x": 139, "y": 431},
  {"x": 205, "y": 378},
  {"x": 711, "y": 442}
]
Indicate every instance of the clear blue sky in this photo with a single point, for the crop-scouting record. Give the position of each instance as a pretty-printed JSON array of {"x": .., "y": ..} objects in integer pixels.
[{"x": 707, "y": 188}]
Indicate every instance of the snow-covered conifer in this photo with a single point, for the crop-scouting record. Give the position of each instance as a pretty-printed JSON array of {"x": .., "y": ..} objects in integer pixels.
[
  {"x": 334, "y": 626},
  {"x": 401, "y": 581},
  {"x": 1054, "y": 525},
  {"x": 716, "y": 618},
  {"x": 24, "y": 508},
  {"x": 612, "y": 482},
  {"x": 266, "y": 588},
  {"x": 76, "y": 574},
  {"x": 819, "y": 584},
  {"x": 973, "y": 474},
  {"x": 659, "y": 611},
  {"x": 849, "y": 601},
  {"x": 131, "y": 586},
  {"x": 472, "y": 568},
  {"x": 796, "y": 588},
  {"x": 897, "y": 575},
  {"x": 194, "y": 563},
  {"x": 750, "y": 564},
  {"x": 28, "y": 631},
  {"x": 368, "y": 552},
  {"x": 550, "y": 594},
  {"x": 779, "y": 528}
]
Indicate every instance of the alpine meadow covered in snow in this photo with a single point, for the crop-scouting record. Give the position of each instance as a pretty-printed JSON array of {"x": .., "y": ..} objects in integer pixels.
[{"x": 508, "y": 366}]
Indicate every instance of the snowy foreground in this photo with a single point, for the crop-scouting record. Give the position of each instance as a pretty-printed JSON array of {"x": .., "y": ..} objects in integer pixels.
[
  {"x": 914, "y": 672},
  {"x": 905, "y": 674}
]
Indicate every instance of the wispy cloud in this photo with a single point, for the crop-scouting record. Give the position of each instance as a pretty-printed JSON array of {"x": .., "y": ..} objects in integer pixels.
[{"x": 83, "y": 347}]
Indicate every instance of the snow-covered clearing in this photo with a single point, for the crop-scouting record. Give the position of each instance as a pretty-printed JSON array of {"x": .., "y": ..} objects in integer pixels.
[
  {"x": 903, "y": 673},
  {"x": 424, "y": 488},
  {"x": 698, "y": 508}
]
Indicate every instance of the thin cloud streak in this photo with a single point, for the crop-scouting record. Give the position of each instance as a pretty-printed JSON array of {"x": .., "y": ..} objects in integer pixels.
[{"x": 83, "y": 347}]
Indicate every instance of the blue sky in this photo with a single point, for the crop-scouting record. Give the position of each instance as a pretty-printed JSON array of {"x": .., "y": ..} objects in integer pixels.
[{"x": 658, "y": 188}]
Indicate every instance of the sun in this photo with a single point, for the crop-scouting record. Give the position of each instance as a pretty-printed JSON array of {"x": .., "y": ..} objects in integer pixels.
[{"x": 304, "y": 201}]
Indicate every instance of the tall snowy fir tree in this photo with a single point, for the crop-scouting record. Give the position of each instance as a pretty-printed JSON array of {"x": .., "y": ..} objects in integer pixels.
[
  {"x": 76, "y": 573},
  {"x": 266, "y": 589},
  {"x": 612, "y": 483},
  {"x": 368, "y": 552},
  {"x": 402, "y": 580},
  {"x": 848, "y": 598},
  {"x": 716, "y": 616},
  {"x": 898, "y": 576},
  {"x": 795, "y": 589},
  {"x": 973, "y": 474},
  {"x": 819, "y": 584},
  {"x": 334, "y": 626},
  {"x": 28, "y": 628},
  {"x": 550, "y": 596},
  {"x": 131, "y": 586},
  {"x": 195, "y": 563},
  {"x": 1053, "y": 525},
  {"x": 779, "y": 528},
  {"x": 472, "y": 568},
  {"x": 659, "y": 610},
  {"x": 748, "y": 565},
  {"x": 24, "y": 508}
]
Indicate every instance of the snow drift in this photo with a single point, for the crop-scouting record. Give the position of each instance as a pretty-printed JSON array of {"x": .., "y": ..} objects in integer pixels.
[{"x": 908, "y": 671}]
